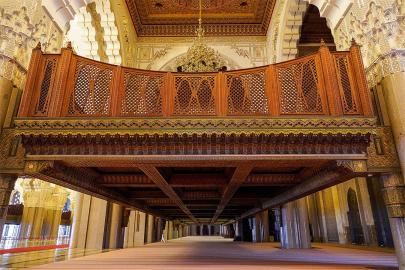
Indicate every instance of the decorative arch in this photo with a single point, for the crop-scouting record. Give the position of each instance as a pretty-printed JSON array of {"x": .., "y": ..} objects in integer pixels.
[
  {"x": 284, "y": 29},
  {"x": 62, "y": 11}
]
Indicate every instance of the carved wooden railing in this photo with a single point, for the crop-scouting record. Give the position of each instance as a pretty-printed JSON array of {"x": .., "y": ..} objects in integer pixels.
[{"x": 325, "y": 83}]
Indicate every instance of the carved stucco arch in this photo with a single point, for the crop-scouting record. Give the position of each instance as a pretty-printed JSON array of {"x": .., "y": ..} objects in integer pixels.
[
  {"x": 284, "y": 29},
  {"x": 63, "y": 11}
]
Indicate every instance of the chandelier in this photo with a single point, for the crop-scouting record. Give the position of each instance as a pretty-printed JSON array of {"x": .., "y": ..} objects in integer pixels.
[{"x": 200, "y": 57}]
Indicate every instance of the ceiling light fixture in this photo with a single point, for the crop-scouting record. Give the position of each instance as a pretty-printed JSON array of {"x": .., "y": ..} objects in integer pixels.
[{"x": 200, "y": 57}]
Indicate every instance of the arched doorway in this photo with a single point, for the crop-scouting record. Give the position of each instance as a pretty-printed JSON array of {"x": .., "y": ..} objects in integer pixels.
[{"x": 353, "y": 215}]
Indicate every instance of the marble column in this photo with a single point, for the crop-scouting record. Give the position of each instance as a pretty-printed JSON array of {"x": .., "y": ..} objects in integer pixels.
[
  {"x": 295, "y": 225},
  {"x": 140, "y": 228},
  {"x": 394, "y": 198},
  {"x": 7, "y": 182},
  {"x": 88, "y": 222},
  {"x": 37, "y": 195},
  {"x": 115, "y": 229},
  {"x": 149, "y": 236}
]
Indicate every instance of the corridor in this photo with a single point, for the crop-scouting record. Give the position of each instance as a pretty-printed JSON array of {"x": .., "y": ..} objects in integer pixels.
[{"x": 190, "y": 253}]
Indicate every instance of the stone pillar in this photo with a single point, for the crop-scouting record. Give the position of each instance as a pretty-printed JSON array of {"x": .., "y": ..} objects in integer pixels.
[
  {"x": 140, "y": 223},
  {"x": 149, "y": 237},
  {"x": 88, "y": 222},
  {"x": 193, "y": 229},
  {"x": 115, "y": 230},
  {"x": 394, "y": 198},
  {"x": 7, "y": 182},
  {"x": 295, "y": 226},
  {"x": 37, "y": 195},
  {"x": 239, "y": 230},
  {"x": 6, "y": 87},
  {"x": 394, "y": 95}
]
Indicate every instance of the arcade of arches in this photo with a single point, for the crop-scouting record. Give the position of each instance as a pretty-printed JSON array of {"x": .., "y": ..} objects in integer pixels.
[{"x": 299, "y": 143}]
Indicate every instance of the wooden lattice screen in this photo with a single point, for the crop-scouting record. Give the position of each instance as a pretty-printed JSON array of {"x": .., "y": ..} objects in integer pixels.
[
  {"x": 247, "y": 93},
  {"x": 348, "y": 97},
  {"x": 142, "y": 94},
  {"x": 42, "y": 105},
  {"x": 194, "y": 95},
  {"x": 300, "y": 89},
  {"x": 92, "y": 91}
]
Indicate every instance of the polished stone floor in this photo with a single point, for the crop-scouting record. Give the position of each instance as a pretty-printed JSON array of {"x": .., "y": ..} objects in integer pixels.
[{"x": 191, "y": 253}]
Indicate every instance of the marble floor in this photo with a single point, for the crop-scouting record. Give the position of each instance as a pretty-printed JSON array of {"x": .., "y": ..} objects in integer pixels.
[
  {"x": 191, "y": 253},
  {"x": 28, "y": 259}
]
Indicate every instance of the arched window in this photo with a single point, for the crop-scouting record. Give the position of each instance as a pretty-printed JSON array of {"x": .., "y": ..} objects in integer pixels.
[{"x": 15, "y": 198}]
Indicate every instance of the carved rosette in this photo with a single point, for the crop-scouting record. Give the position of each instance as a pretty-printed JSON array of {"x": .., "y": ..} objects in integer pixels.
[{"x": 394, "y": 195}]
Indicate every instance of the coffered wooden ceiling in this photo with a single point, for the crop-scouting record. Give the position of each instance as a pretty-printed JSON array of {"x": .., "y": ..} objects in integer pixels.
[{"x": 220, "y": 17}]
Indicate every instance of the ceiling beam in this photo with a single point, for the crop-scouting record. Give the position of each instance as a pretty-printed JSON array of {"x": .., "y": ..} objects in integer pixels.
[
  {"x": 333, "y": 174},
  {"x": 239, "y": 176},
  {"x": 81, "y": 180},
  {"x": 198, "y": 180},
  {"x": 153, "y": 173}
]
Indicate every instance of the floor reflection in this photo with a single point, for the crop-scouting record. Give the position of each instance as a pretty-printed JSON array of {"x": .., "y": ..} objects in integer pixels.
[{"x": 33, "y": 258}]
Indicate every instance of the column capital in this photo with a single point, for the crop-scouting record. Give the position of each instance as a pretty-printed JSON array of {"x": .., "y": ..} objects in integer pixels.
[{"x": 394, "y": 194}]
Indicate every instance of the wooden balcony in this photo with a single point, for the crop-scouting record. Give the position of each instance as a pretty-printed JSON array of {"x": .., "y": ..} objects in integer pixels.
[{"x": 319, "y": 85}]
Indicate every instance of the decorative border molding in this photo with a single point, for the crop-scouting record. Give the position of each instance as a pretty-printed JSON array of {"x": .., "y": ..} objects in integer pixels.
[{"x": 194, "y": 126}]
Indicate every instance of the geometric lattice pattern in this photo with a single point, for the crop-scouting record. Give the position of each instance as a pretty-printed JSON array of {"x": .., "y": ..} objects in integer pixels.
[
  {"x": 92, "y": 91},
  {"x": 142, "y": 95},
  {"x": 345, "y": 88},
  {"x": 194, "y": 95},
  {"x": 299, "y": 88},
  {"x": 43, "y": 99},
  {"x": 247, "y": 93}
]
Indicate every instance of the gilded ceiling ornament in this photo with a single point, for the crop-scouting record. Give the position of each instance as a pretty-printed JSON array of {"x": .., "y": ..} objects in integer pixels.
[{"x": 200, "y": 57}]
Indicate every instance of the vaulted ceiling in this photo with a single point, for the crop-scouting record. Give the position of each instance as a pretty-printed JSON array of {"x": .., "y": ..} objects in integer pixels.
[{"x": 220, "y": 17}]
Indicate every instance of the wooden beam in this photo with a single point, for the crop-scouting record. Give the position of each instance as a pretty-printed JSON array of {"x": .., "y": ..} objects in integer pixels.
[
  {"x": 334, "y": 174},
  {"x": 197, "y": 180},
  {"x": 82, "y": 180},
  {"x": 238, "y": 177},
  {"x": 161, "y": 182}
]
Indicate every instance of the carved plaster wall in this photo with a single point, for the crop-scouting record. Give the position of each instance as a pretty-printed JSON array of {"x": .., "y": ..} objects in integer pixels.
[
  {"x": 63, "y": 11},
  {"x": 38, "y": 193},
  {"x": 94, "y": 34},
  {"x": 161, "y": 53},
  {"x": 22, "y": 25},
  {"x": 377, "y": 25}
]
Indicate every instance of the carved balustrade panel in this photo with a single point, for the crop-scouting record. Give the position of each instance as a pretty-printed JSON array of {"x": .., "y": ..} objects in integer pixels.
[
  {"x": 348, "y": 96},
  {"x": 246, "y": 92},
  {"x": 46, "y": 82},
  {"x": 142, "y": 93},
  {"x": 194, "y": 94},
  {"x": 300, "y": 86},
  {"x": 323, "y": 83},
  {"x": 91, "y": 95}
]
